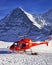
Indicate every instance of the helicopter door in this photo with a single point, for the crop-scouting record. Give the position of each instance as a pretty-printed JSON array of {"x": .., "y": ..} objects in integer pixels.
[{"x": 23, "y": 45}]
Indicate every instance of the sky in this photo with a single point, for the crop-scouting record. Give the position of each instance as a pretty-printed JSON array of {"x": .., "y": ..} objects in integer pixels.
[{"x": 31, "y": 6}]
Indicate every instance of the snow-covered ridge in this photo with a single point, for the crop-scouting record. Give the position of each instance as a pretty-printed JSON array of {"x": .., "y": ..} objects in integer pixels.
[{"x": 33, "y": 20}]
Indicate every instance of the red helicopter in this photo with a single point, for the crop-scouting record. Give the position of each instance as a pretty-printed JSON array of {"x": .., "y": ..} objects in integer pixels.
[{"x": 25, "y": 44}]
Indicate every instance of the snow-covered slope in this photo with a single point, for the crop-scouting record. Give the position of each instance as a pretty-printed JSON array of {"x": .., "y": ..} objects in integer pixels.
[
  {"x": 19, "y": 59},
  {"x": 5, "y": 44},
  {"x": 19, "y": 23},
  {"x": 39, "y": 19}
]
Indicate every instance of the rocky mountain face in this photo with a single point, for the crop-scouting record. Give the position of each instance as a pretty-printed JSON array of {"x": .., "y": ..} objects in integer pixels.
[
  {"x": 19, "y": 23},
  {"x": 48, "y": 18},
  {"x": 45, "y": 22}
]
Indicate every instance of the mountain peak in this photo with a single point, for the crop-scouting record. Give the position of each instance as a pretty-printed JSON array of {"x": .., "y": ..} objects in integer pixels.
[
  {"x": 48, "y": 12},
  {"x": 19, "y": 9},
  {"x": 16, "y": 12}
]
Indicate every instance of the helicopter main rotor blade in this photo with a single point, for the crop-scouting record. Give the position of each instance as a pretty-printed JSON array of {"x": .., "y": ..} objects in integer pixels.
[{"x": 22, "y": 36}]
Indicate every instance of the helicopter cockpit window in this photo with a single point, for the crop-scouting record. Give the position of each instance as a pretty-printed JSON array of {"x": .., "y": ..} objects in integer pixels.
[
  {"x": 16, "y": 44},
  {"x": 23, "y": 45}
]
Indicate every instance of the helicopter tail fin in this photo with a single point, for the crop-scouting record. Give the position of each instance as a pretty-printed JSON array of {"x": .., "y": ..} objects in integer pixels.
[{"x": 46, "y": 43}]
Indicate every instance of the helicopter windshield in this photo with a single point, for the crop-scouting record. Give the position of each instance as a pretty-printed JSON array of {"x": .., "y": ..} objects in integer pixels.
[{"x": 16, "y": 43}]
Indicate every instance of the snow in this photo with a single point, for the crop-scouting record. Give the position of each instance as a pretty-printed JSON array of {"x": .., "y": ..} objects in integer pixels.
[
  {"x": 43, "y": 58},
  {"x": 5, "y": 44},
  {"x": 19, "y": 59}
]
